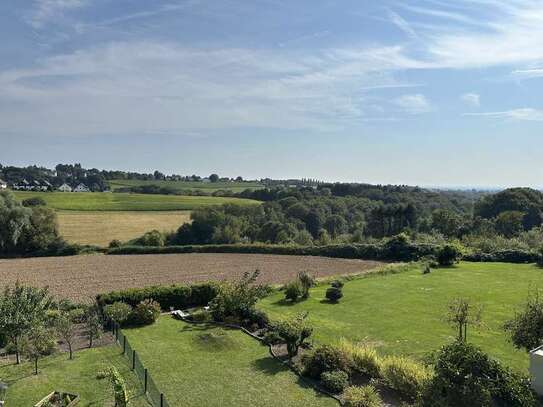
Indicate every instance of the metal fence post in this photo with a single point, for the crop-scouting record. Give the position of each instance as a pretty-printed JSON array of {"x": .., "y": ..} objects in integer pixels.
[
  {"x": 145, "y": 380},
  {"x": 124, "y": 345},
  {"x": 161, "y": 400},
  {"x": 133, "y": 359}
]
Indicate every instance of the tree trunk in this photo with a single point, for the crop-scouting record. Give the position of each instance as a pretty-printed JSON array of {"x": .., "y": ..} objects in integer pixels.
[
  {"x": 90, "y": 341},
  {"x": 36, "y": 366},
  {"x": 70, "y": 348}
]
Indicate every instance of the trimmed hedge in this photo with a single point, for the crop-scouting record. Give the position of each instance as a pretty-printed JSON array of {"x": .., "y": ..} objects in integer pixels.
[
  {"x": 504, "y": 256},
  {"x": 405, "y": 252},
  {"x": 176, "y": 296}
]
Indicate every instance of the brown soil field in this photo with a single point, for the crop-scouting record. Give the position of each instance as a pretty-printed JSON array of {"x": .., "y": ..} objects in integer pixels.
[
  {"x": 80, "y": 278},
  {"x": 100, "y": 227}
]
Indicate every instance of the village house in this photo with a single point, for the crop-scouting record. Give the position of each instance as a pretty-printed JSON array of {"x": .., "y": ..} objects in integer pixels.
[
  {"x": 3, "y": 184},
  {"x": 81, "y": 188},
  {"x": 65, "y": 188}
]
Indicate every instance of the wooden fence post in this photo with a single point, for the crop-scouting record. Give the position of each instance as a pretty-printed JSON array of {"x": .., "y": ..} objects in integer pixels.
[
  {"x": 133, "y": 359},
  {"x": 124, "y": 345},
  {"x": 161, "y": 400}
]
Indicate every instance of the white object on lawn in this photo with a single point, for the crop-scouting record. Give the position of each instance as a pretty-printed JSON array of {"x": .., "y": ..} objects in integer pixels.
[{"x": 536, "y": 369}]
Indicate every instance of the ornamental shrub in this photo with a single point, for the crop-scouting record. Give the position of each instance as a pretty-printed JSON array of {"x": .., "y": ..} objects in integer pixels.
[
  {"x": 406, "y": 376},
  {"x": 364, "y": 359},
  {"x": 362, "y": 396},
  {"x": 334, "y": 294},
  {"x": 118, "y": 312},
  {"x": 145, "y": 313},
  {"x": 325, "y": 358},
  {"x": 448, "y": 255},
  {"x": 335, "y": 381},
  {"x": 294, "y": 291}
]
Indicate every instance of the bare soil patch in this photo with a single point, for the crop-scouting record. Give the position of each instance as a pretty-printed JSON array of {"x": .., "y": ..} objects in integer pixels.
[{"x": 80, "y": 278}]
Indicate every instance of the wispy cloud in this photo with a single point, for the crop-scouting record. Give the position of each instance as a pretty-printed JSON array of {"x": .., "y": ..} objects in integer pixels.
[
  {"x": 47, "y": 10},
  {"x": 523, "y": 114},
  {"x": 402, "y": 24},
  {"x": 414, "y": 104},
  {"x": 528, "y": 73},
  {"x": 471, "y": 99}
]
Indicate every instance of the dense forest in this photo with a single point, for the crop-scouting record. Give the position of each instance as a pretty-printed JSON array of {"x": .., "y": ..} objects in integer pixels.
[{"x": 341, "y": 213}]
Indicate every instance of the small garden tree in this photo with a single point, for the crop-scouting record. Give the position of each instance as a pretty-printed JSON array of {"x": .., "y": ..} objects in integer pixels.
[
  {"x": 39, "y": 342},
  {"x": 237, "y": 299},
  {"x": 21, "y": 309},
  {"x": 66, "y": 330},
  {"x": 462, "y": 313},
  {"x": 93, "y": 324},
  {"x": 526, "y": 328},
  {"x": 294, "y": 332}
]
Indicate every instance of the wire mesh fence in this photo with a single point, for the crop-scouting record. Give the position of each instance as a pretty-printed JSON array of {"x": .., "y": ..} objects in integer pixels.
[{"x": 155, "y": 396}]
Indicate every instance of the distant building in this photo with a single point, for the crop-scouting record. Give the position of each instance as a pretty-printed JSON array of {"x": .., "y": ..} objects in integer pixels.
[
  {"x": 65, "y": 188},
  {"x": 3, "y": 184},
  {"x": 206, "y": 180},
  {"x": 81, "y": 188}
]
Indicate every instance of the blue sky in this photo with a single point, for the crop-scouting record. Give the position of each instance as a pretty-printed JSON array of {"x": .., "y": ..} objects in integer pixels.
[{"x": 427, "y": 92}]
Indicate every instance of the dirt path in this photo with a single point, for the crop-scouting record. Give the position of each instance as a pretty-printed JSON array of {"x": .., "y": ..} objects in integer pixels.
[{"x": 80, "y": 278}]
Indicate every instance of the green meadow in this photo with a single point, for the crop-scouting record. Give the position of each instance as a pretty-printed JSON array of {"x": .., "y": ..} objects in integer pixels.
[
  {"x": 107, "y": 201},
  {"x": 404, "y": 313},
  {"x": 208, "y": 187}
]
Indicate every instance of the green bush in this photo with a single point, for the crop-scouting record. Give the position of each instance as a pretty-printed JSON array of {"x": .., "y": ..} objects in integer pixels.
[
  {"x": 174, "y": 296},
  {"x": 325, "y": 358},
  {"x": 34, "y": 201},
  {"x": 293, "y": 332},
  {"x": 115, "y": 243},
  {"x": 201, "y": 316},
  {"x": 334, "y": 294},
  {"x": 118, "y": 312},
  {"x": 335, "y": 381},
  {"x": 294, "y": 291},
  {"x": 363, "y": 359},
  {"x": 337, "y": 284},
  {"x": 465, "y": 375},
  {"x": 448, "y": 255},
  {"x": 526, "y": 328},
  {"x": 362, "y": 396},
  {"x": 145, "y": 313},
  {"x": 406, "y": 376}
]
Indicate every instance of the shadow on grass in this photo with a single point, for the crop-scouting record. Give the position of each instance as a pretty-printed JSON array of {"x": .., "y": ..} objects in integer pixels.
[
  {"x": 269, "y": 366},
  {"x": 325, "y": 301},
  {"x": 283, "y": 302}
]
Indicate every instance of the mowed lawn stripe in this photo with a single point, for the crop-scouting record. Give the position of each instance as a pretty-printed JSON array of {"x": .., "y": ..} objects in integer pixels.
[
  {"x": 107, "y": 201},
  {"x": 404, "y": 313}
]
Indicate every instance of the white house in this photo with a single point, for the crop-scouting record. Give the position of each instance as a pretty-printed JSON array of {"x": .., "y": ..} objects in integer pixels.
[
  {"x": 3, "y": 184},
  {"x": 81, "y": 188},
  {"x": 65, "y": 188}
]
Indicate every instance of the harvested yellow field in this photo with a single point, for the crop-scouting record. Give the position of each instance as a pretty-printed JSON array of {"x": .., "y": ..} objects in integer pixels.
[{"x": 99, "y": 228}]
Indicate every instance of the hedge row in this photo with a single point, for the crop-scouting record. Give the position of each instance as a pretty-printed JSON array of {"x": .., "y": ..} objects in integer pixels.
[
  {"x": 176, "y": 296},
  {"x": 398, "y": 252},
  {"x": 392, "y": 251},
  {"x": 505, "y": 256}
]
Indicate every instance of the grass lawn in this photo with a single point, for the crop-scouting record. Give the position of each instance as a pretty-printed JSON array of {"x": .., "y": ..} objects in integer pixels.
[
  {"x": 200, "y": 365},
  {"x": 101, "y": 227},
  {"x": 402, "y": 313},
  {"x": 105, "y": 201},
  {"x": 74, "y": 376},
  {"x": 209, "y": 187}
]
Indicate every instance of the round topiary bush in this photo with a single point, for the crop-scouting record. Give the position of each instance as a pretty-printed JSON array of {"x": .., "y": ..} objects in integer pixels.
[
  {"x": 294, "y": 291},
  {"x": 334, "y": 294},
  {"x": 335, "y": 381}
]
